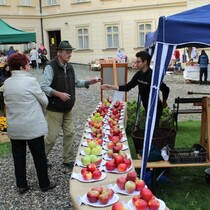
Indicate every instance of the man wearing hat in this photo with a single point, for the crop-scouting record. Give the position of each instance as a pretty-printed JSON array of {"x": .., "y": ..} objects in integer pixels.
[{"x": 58, "y": 83}]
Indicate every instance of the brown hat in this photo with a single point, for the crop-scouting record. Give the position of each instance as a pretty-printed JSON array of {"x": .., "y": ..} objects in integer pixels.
[{"x": 64, "y": 45}]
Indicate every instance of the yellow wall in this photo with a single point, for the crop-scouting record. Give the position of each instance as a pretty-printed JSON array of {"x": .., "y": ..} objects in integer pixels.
[{"x": 94, "y": 14}]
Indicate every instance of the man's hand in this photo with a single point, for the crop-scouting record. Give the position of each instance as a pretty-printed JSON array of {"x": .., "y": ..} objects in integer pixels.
[
  {"x": 164, "y": 104},
  {"x": 95, "y": 80},
  {"x": 109, "y": 87},
  {"x": 63, "y": 96}
]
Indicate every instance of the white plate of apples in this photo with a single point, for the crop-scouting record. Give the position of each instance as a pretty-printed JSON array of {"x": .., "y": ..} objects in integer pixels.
[
  {"x": 84, "y": 178},
  {"x": 129, "y": 184},
  {"x": 103, "y": 198},
  {"x": 162, "y": 205}
]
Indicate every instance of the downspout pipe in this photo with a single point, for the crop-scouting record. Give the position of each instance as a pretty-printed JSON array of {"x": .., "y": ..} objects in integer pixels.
[{"x": 41, "y": 21}]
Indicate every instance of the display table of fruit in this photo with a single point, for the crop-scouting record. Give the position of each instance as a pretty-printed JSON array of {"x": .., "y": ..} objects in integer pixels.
[{"x": 103, "y": 176}]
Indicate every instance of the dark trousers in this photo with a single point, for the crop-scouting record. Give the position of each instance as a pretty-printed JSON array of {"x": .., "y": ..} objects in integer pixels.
[
  {"x": 36, "y": 147},
  {"x": 203, "y": 71},
  {"x": 33, "y": 64}
]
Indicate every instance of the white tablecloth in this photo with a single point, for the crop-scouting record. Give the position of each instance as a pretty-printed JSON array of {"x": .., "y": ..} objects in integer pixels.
[{"x": 193, "y": 72}]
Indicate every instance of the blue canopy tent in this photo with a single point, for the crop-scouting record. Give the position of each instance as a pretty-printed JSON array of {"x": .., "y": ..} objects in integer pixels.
[{"x": 189, "y": 28}]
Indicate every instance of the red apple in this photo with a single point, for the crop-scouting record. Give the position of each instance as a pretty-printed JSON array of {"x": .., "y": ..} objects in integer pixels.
[
  {"x": 115, "y": 139},
  {"x": 110, "y": 165},
  {"x": 135, "y": 198},
  {"x": 154, "y": 204},
  {"x": 91, "y": 167},
  {"x": 83, "y": 170},
  {"x": 110, "y": 192},
  {"x": 114, "y": 155},
  {"x": 127, "y": 162},
  {"x": 146, "y": 194},
  {"x": 87, "y": 175},
  {"x": 99, "y": 189},
  {"x": 140, "y": 184},
  {"x": 119, "y": 145},
  {"x": 103, "y": 198},
  {"x": 131, "y": 176},
  {"x": 141, "y": 204},
  {"x": 118, "y": 159},
  {"x": 121, "y": 182},
  {"x": 122, "y": 167},
  {"x": 130, "y": 186},
  {"x": 92, "y": 196},
  {"x": 96, "y": 174},
  {"x": 118, "y": 206},
  {"x": 115, "y": 111},
  {"x": 110, "y": 145}
]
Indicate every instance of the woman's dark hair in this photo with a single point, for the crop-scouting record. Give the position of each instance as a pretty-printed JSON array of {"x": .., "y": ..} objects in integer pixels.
[
  {"x": 144, "y": 56},
  {"x": 17, "y": 60}
]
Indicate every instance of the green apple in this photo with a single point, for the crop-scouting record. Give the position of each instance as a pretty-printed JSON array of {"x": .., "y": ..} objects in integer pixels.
[
  {"x": 93, "y": 158},
  {"x": 92, "y": 144},
  {"x": 87, "y": 150},
  {"x": 95, "y": 151},
  {"x": 86, "y": 160},
  {"x": 99, "y": 148}
]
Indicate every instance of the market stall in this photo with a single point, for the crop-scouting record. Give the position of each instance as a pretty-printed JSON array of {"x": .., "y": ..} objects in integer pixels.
[
  {"x": 192, "y": 72},
  {"x": 185, "y": 29}
]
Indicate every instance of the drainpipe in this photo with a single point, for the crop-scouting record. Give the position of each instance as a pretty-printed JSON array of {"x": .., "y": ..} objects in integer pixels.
[{"x": 41, "y": 21}]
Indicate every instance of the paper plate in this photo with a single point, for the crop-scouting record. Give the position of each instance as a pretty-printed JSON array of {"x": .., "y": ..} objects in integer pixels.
[
  {"x": 162, "y": 205},
  {"x": 118, "y": 190},
  {"x": 115, "y": 171},
  {"x": 114, "y": 199},
  {"x": 79, "y": 177},
  {"x": 125, "y": 147}
]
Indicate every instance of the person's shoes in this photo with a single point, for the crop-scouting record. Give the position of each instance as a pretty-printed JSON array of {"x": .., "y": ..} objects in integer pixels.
[
  {"x": 49, "y": 164},
  {"x": 49, "y": 187},
  {"x": 23, "y": 190}
]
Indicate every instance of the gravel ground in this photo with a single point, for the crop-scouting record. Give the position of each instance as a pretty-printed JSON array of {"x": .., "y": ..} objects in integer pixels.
[{"x": 58, "y": 199}]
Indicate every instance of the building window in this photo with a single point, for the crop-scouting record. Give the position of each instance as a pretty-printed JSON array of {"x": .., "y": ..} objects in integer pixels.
[
  {"x": 143, "y": 29},
  {"x": 25, "y": 2},
  {"x": 83, "y": 38},
  {"x": 112, "y": 35},
  {"x": 79, "y": 1},
  {"x": 51, "y": 2},
  {"x": 2, "y": 2}
]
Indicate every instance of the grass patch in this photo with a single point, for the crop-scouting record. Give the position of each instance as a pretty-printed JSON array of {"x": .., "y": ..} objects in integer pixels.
[
  {"x": 5, "y": 148},
  {"x": 187, "y": 188}
]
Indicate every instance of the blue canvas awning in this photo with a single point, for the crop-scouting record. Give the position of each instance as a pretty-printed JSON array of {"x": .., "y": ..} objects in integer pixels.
[{"x": 189, "y": 28}]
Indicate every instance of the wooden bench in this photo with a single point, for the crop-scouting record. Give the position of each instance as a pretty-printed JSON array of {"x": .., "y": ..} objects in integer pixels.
[
  {"x": 176, "y": 107},
  {"x": 153, "y": 166}
]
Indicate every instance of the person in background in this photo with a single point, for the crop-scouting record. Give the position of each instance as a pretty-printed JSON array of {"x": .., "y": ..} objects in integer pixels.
[
  {"x": 120, "y": 55},
  {"x": 26, "y": 123},
  {"x": 10, "y": 51},
  {"x": 58, "y": 83},
  {"x": 203, "y": 60},
  {"x": 142, "y": 78},
  {"x": 5, "y": 73},
  {"x": 42, "y": 55},
  {"x": 34, "y": 56},
  {"x": 177, "y": 60}
]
